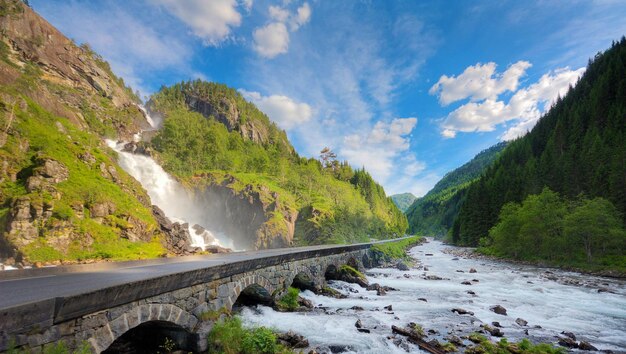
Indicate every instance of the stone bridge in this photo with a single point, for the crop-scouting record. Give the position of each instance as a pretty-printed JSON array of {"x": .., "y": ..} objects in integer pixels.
[{"x": 180, "y": 299}]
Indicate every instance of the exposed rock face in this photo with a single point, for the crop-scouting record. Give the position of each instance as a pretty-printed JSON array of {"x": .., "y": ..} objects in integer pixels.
[
  {"x": 226, "y": 112},
  {"x": 254, "y": 218},
  {"x": 177, "y": 235},
  {"x": 32, "y": 39}
]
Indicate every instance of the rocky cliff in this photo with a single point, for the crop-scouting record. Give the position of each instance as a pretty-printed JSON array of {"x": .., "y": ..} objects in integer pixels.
[
  {"x": 63, "y": 197},
  {"x": 252, "y": 215}
]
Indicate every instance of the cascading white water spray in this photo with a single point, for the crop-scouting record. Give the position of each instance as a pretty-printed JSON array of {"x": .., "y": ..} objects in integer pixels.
[{"x": 167, "y": 193}]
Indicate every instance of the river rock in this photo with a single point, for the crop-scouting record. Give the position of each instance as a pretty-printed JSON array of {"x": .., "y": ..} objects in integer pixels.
[
  {"x": 461, "y": 311},
  {"x": 521, "y": 322},
  {"x": 363, "y": 330},
  {"x": 472, "y": 270},
  {"x": 494, "y": 331},
  {"x": 388, "y": 308},
  {"x": 567, "y": 342},
  {"x": 498, "y": 309},
  {"x": 496, "y": 324},
  {"x": 293, "y": 340},
  {"x": 569, "y": 334},
  {"x": 433, "y": 277},
  {"x": 356, "y": 308},
  {"x": 401, "y": 265},
  {"x": 467, "y": 282},
  {"x": 454, "y": 340},
  {"x": 471, "y": 292},
  {"x": 582, "y": 345},
  {"x": 422, "y": 299},
  {"x": 358, "y": 324}
]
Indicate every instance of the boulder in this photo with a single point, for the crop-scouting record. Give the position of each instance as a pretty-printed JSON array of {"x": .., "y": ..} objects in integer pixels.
[
  {"x": 521, "y": 322},
  {"x": 498, "y": 309},
  {"x": 569, "y": 334},
  {"x": 461, "y": 311},
  {"x": 494, "y": 331},
  {"x": 567, "y": 342},
  {"x": 472, "y": 270},
  {"x": 454, "y": 340},
  {"x": 401, "y": 265},
  {"x": 293, "y": 340},
  {"x": 496, "y": 324},
  {"x": 583, "y": 345},
  {"x": 358, "y": 324}
]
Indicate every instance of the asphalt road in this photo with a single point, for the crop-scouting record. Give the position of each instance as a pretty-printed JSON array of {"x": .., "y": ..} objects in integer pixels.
[{"x": 47, "y": 283}]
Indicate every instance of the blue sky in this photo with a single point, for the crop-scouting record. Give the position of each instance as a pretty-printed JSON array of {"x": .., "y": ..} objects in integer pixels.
[{"x": 408, "y": 89}]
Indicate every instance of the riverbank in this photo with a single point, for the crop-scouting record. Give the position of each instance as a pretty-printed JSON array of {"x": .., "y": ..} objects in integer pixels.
[
  {"x": 452, "y": 298},
  {"x": 470, "y": 252}
]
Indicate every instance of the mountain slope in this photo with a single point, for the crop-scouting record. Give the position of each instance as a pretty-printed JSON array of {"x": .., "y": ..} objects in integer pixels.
[
  {"x": 403, "y": 201},
  {"x": 434, "y": 213},
  {"x": 63, "y": 197},
  {"x": 578, "y": 147},
  {"x": 213, "y": 138}
]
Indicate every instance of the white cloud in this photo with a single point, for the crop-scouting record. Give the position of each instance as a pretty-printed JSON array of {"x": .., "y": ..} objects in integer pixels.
[
  {"x": 271, "y": 40},
  {"x": 524, "y": 108},
  {"x": 247, "y": 4},
  {"x": 210, "y": 20},
  {"x": 383, "y": 150},
  {"x": 286, "y": 112},
  {"x": 478, "y": 82},
  {"x": 302, "y": 16},
  {"x": 279, "y": 14}
]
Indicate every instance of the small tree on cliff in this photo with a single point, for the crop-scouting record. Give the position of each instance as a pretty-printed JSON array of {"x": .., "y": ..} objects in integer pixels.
[{"x": 328, "y": 158}]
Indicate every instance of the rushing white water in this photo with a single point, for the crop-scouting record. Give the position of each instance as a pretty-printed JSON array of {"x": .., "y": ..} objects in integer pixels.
[
  {"x": 168, "y": 194},
  {"x": 530, "y": 293}
]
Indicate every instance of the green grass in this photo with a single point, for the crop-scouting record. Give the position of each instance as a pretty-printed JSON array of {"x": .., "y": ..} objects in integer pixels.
[
  {"x": 289, "y": 301},
  {"x": 230, "y": 337},
  {"x": 86, "y": 185},
  {"x": 395, "y": 250},
  {"x": 484, "y": 346}
]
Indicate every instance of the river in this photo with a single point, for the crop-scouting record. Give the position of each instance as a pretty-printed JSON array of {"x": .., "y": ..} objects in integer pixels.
[{"x": 550, "y": 300}]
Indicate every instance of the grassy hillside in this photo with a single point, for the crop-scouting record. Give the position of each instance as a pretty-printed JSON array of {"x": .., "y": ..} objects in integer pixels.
[
  {"x": 210, "y": 130},
  {"x": 434, "y": 213},
  {"x": 403, "y": 201},
  {"x": 62, "y": 196}
]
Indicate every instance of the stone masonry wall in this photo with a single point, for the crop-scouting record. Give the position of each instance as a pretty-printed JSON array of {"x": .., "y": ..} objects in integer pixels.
[{"x": 182, "y": 307}]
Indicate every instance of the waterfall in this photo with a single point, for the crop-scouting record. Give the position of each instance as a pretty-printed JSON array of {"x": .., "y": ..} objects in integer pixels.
[{"x": 168, "y": 194}]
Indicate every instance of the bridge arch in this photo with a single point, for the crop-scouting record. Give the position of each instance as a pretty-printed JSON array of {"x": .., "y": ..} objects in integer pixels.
[
  {"x": 165, "y": 315},
  {"x": 304, "y": 279},
  {"x": 250, "y": 290}
]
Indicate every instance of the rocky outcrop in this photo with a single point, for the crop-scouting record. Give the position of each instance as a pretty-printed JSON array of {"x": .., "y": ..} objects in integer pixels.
[
  {"x": 177, "y": 240},
  {"x": 32, "y": 40},
  {"x": 254, "y": 217}
]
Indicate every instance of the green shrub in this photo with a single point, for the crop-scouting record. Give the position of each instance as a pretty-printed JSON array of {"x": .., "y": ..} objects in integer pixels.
[
  {"x": 259, "y": 340},
  {"x": 230, "y": 337},
  {"x": 289, "y": 301},
  {"x": 394, "y": 250}
]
